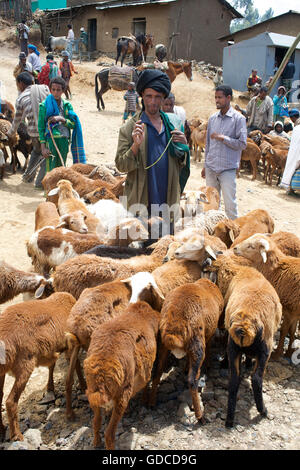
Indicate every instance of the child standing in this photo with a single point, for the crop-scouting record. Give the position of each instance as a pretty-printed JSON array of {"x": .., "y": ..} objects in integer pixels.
[
  {"x": 67, "y": 71},
  {"x": 62, "y": 119},
  {"x": 132, "y": 101}
]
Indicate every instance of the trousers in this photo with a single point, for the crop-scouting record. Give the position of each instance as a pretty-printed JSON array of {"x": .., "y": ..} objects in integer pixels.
[
  {"x": 225, "y": 183},
  {"x": 35, "y": 156}
]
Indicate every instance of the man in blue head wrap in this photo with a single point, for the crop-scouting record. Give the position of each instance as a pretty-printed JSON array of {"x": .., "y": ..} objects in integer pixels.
[{"x": 152, "y": 152}]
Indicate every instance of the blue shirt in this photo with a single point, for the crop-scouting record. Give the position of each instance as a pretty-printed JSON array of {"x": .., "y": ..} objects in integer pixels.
[
  {"x": 158, "y": 174},
  {"x": 226, "y": 155}
]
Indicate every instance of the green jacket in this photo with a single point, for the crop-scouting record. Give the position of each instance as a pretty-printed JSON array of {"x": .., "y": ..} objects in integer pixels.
[
  {"x": 136, "y": 184},
  {"x": 42, "y": 124}
]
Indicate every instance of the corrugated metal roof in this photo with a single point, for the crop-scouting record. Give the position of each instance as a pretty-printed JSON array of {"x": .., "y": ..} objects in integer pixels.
[
  {"x": 130, "y": 3},
  {"x": 282, "y": 40}
]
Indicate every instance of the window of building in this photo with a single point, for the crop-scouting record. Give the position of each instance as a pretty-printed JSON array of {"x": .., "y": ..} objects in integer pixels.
[
  {"x": 138, "y": 26},
  {"x": 115, "y": 33}
]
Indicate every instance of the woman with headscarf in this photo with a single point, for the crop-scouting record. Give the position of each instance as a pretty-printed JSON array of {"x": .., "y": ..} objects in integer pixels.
[
  {"x": 279, "y": 131},
  {"x": 34, "y": 60},
  {"x": 281, "y": 109},
  {"x": 153, "y": 153}
]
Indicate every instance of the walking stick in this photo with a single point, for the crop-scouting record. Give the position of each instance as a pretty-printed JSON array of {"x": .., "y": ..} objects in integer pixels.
[{"x": 56, "y": 148}]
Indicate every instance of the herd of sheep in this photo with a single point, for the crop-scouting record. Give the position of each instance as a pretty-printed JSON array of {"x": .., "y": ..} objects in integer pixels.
[{"x": 128, "y": 303}]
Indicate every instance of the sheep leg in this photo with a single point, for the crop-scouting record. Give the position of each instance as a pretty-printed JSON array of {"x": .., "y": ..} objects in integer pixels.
[
  {"x": 116, "y": 416},
  {"x": 97, "y": 421},
  {"x": 22, "y": 377},
  {"x": 254, "y": 169},
  {"x": 292, "y": 332},
  {"x": 50, "y": 384},
  {"x": 196, "y": 357},
  {"x": 81, "y": 379},
  {"x": 70, "y": 381},
  {"x": 283, "y": 332},
  {"x": 162, "y": 359},
  {"x": 257, "y": 379},
  {"x": 2, "y": 427},
  {"x": 234, "y": 358}
]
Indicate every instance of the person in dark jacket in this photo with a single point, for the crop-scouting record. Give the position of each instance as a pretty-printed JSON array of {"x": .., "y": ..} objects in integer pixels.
[{"x": 287, "y": 77}]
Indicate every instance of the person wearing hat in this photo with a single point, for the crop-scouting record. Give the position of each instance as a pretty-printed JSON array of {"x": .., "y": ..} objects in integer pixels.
[
  {"x": 49, "y": 71},
  {"x": 34, "y": 60},
  {"x": 67, "y": 70},
  {"x": 84, "y": 38},
  {"x": 153, "y": 153},
  {"x": 280, "y": 110},
  {"x": 22, "y": 66},
  {"x": 279, "y": 131},
  {"x": 132, "y": 101},
  {"x": 294, "y": 115}
]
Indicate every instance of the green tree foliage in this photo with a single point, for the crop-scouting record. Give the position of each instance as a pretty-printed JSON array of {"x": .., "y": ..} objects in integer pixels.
[{"x": 251, "y": 15}]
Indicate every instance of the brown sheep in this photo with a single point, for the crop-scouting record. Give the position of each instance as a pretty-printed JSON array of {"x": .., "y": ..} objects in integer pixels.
[
  {"x": 95, "y": 306},
  {"x": 198, "y": 138},
  {"x": 232, "y": 232},
  {"x": 252, "y": 317},
  {"x": 68, "y": 203},
  {"x": 120, "y": 359},
  {"x": 283, "y": 272},
  {"x": 46, "y": 214},
  {"x": 82, "y": 184},
  {"x": 14, "y": 282},
  {"x": 288, "y": 243},
  {"x": 10, "y": 142},
  {"x": 251, "y": 153},
  {"x": 189, "y": 318},
  {"x": 84, "y": 271},
  {"x": 275, "y": 160},
  {"x": 50, "y": 246},
  {"x": 32, "y": 334},
  {"x": 212, "y": 196}
]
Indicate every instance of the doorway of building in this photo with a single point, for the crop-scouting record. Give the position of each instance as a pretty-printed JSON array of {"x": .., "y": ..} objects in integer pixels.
[
  {"x": 92, "y": 32},
  {"x": 138, "y": 26},
  {"x": 280, "y": 53}
]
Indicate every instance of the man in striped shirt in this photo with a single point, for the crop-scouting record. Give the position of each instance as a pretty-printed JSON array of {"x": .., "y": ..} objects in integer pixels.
[
  {"x": 25, "y": 109},
  {"x": 225, "y": 139}
]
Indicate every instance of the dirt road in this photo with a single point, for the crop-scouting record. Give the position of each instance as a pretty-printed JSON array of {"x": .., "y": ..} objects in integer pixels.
[{"x": 171, "y": 425}]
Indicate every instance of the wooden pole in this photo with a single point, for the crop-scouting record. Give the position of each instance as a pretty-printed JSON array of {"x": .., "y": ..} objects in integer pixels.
[{"x": 283, "y": 63}]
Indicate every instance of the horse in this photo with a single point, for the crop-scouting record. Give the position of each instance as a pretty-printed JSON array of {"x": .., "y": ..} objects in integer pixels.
[
  {"x": 57, "y": 43},
  {"x": 103, "y": 78},
  {"x": 175, "y": 68},
  {"x": 138, "y": 47}
]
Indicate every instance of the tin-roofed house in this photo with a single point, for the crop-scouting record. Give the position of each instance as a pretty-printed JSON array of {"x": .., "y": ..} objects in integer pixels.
[
  {"x": 261, "y": 52},
  {"x": 189, "y": 28}
]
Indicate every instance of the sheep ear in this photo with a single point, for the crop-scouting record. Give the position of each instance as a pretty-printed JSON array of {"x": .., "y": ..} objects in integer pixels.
[
  {"x": 231, "y": 235},
  {"x": 40, "y": 291},
  {"x": 93, "y": 172},
  {"x": 183, "y": 196},
  {"x": 75, "y": 194},
  {"x": 272, "y": 151},
  {"x": 210, "y": 251},
  {"x": 53, "y": 192},
  {"x": 263, "y": 255}
]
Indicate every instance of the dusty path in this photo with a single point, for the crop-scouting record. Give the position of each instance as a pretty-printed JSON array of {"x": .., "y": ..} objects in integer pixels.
[{"x": 170, "y": 426}]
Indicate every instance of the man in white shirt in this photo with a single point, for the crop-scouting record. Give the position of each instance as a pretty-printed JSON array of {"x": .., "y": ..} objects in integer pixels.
[{"x": 70, "y": 38}]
